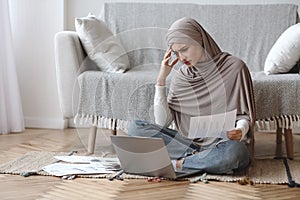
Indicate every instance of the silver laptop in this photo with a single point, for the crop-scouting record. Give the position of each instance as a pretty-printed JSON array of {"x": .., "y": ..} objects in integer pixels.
[{"x": 146, "y": 156}]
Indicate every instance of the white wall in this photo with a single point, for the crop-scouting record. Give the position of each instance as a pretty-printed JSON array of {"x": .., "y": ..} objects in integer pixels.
[
  {"x": 80, "y": 8},
  {"x": 34, "y": 23}
]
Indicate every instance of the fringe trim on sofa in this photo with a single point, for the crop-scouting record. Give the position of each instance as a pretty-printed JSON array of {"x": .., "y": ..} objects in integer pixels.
[
  {"x": 104, "y": 122},
  {"x": 282, "y": 121},
  {"x": 101, "y": 122}
]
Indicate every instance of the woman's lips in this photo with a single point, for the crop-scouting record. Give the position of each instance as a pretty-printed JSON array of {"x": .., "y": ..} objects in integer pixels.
[{"x": 186, "y": 62}]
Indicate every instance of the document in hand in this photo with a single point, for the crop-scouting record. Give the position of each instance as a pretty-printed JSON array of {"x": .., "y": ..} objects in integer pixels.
[{"x": 212, "y": 125}]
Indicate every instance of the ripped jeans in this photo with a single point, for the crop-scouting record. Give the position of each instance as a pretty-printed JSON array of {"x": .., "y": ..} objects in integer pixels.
[{"x": 220, "y": 157}]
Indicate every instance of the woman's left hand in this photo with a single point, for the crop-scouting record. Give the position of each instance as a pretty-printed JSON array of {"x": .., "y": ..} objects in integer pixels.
[{"x": 235, "y": 134}]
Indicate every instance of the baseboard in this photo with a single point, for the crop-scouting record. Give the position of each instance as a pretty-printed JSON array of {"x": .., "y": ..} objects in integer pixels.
[
  {"x": 71, "y": 124},
  {"x": 47, "y": 123}
]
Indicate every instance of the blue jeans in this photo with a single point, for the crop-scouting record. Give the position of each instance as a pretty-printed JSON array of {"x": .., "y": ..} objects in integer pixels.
[{"x": 220, "y": 157}]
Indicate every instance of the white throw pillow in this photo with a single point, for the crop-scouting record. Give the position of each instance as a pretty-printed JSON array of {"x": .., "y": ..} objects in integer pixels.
[
  {"x": 101, "y": 45},
  {"x": 285, "y": 52}
]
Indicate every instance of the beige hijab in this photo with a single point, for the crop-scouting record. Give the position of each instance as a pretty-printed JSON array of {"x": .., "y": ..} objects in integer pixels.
[{"x": 222, "y": 83}]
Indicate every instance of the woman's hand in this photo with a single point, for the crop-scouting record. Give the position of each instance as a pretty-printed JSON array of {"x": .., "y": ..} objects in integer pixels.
[
  {"x": 165, "y": 68},
  {"x": 235, "y": 134}
]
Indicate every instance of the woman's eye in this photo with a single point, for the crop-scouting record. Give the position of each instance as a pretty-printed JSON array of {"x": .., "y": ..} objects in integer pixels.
[{"x": 185, "y": 49}]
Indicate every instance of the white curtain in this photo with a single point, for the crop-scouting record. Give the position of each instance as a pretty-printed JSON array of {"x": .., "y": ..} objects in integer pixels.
[{"x": 11, "y": 114}]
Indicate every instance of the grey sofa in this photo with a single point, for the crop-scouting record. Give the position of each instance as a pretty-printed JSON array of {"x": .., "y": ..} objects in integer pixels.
[{"x": 109, "y": 100}]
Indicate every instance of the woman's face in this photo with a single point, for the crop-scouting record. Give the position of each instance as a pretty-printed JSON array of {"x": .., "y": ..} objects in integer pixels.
[{"x": 189, "y": 54}]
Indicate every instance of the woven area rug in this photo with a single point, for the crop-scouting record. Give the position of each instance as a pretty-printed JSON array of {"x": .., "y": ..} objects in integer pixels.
[{"x": 269, "y": 171}]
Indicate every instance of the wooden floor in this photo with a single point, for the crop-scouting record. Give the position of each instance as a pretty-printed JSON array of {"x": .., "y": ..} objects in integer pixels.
[{"x": 41, "y": 187}]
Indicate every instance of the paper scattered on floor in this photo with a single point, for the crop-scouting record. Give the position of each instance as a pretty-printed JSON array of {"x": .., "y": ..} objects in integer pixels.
[
  {"x": 86, "y": 159},
  {"x": 82, "y": 165}
]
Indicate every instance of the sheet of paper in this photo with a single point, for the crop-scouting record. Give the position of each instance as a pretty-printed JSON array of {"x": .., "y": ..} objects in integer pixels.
[
  {"x": 86, "y": 159},
  {"x": 62, "y": 169},
  {"x": 212, "y": 125},
  {"x": 83, "y": 165}
]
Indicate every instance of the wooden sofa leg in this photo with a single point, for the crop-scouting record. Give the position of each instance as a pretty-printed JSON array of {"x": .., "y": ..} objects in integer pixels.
[
  {"x": 251, "y": 149},
  {"x": 289, "y": 144},
  {"x": 114, "y": 132},
  {"x": 114, "y": 129},
  {"x": 278, "y": 153},
  {"x": 92, "y": 139}
]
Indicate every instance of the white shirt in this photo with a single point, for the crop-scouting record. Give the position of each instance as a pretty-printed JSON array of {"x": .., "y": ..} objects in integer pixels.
[{"x": 164, "y": 117}]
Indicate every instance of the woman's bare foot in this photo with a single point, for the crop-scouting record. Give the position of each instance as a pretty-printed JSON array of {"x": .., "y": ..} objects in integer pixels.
[{"x": 179, "y": 163}]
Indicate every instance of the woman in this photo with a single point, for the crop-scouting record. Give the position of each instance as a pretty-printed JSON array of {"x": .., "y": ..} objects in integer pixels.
[{"x": 209, "y": 82}]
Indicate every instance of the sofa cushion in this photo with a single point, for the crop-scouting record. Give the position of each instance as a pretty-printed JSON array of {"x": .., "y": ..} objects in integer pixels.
[
  {"x": 124, "y": 96},
  {"x": 130, "y": 95},
  {"x": 276, "y": 95},
  {"x": 101, "y": 45},
  {"x": 285, "y": 53}
]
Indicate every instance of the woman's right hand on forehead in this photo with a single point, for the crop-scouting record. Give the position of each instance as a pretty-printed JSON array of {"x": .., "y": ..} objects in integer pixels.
[
  {"x": 166, "y": 67},
  {"x": 166, "y": 61}
]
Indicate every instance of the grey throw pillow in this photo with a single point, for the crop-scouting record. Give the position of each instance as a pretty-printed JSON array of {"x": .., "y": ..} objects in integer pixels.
[{"x": 101, "y": 45}]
